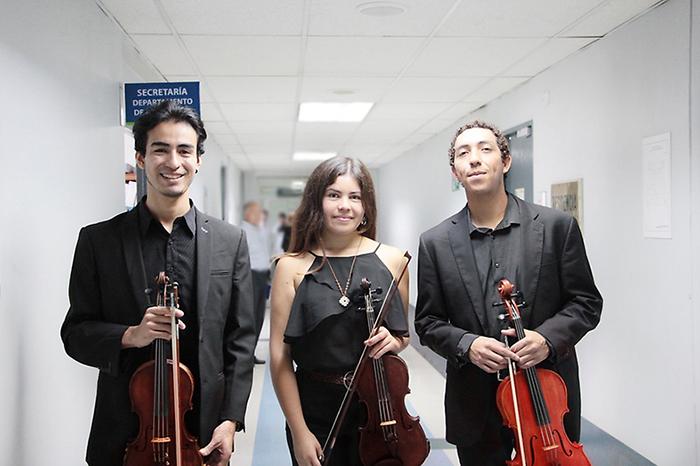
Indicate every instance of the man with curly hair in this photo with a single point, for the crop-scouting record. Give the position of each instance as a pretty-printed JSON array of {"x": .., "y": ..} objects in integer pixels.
[{"x": 461, "y": 260}]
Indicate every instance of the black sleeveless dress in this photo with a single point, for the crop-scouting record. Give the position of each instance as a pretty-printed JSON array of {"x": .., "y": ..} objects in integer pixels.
[{"x": 327, "y": 339}]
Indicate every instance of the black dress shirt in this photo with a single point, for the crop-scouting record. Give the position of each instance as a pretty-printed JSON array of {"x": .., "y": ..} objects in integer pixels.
[
  {"x": 174, "y": 253},
  {"x": 497, "y": 253}
]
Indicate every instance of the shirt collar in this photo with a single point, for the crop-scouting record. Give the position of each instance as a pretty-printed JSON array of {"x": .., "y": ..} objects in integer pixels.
[
  {"x": 511, "y": 217},
  {"x": 146, "y": 219}
]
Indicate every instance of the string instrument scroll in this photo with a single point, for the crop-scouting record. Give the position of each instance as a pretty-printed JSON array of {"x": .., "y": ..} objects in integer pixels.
[
  {"x": 161, "y": 392},
  {"x": 533, "y": 402}
]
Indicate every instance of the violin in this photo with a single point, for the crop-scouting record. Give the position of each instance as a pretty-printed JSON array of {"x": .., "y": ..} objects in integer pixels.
[
  {"x": 533, "y": 403},
  {"x": 161, "y": 392},
  {"x": 396, "y": 428},
  {"x": 391, "y": 436}
]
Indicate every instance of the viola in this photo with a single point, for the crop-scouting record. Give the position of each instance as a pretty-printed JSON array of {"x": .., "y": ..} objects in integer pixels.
[
  {"x": 391, "y": 435},
  {"x": 161, "y": 392},
  {"x": 533, "y": 402}
]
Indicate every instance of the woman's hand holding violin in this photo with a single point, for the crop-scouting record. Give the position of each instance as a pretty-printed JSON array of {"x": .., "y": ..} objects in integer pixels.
[{"x": 383, "y": 342}]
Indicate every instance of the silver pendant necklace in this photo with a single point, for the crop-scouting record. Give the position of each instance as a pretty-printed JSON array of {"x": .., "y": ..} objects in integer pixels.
[{"x": 344, "y": 300}]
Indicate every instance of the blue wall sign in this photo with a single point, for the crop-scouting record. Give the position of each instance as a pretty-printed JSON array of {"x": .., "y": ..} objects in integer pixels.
[{"x": 139, "y": 96}]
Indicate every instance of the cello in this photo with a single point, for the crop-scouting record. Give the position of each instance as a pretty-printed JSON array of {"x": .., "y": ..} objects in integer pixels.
[
  {"x": 161, "y": 391},
  {"x": 391, "y": 435},
  {"x": 533, "y": 402}
]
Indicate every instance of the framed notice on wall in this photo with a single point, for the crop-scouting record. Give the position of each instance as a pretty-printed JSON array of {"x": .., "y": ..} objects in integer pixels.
[
  {"x": 568, "y": 196},
  {"x": 656, "y": 186}
]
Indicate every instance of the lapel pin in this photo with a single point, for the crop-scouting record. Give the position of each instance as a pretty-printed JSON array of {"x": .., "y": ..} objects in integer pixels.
[{"x": 204, "y": 230}]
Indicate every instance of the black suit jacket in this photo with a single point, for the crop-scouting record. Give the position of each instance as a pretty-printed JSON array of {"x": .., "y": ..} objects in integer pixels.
[
  {"x": 564, "y": 304},
  {"x": 107, "y": 295}
]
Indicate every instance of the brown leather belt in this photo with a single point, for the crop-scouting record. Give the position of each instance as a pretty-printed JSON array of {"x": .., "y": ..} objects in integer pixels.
[{"x": 328, "y": 377}]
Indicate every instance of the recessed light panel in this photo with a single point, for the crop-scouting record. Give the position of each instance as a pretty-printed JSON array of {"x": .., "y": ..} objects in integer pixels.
[{"x": 334, "y": 111}]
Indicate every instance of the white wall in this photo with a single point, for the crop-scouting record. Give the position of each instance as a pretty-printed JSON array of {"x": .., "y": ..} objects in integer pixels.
[
  {"x": 62, "y": 167},
  {"x": 590, "y": 112},
  {"x": 694, "y": 173}
]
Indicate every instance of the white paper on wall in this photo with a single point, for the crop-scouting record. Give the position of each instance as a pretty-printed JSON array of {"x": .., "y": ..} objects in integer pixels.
[{"x": 656, "y": 186}]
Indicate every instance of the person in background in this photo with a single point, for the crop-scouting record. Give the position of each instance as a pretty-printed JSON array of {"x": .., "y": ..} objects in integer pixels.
[{"x": 259, "y": 248}]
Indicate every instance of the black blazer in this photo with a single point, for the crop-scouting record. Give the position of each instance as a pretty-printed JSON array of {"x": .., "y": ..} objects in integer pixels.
[
  {"x": 106, "y": 294},
  {"x": 564, "y": 304}
]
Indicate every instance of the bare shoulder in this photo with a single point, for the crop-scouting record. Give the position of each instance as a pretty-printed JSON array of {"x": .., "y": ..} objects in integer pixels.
[
  {"x": 292, "y": 268},
  {"x": 393, "y": 257}
]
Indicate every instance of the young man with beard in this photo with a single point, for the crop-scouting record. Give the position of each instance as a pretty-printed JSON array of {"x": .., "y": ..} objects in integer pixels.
[{"x": 461, "y": 260}]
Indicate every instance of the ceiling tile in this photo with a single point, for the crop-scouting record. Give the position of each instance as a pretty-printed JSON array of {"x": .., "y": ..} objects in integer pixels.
[
  {"x": 608, "y": 16},
  {"x": 460, "y": 110},
  {"x": 438, "y": 125},
  {"x": 137, "y": 16},
  {"x": 261, "y": 126},
  {"x": 204, "y": 94},
  {"x": 323, "y": 136},
  {"x": 266, "y": 150},
  {"x": 229, "y": 141},
  {"x": 400, "y": 111},
  {"x": 253, "y": 89},
  {"x": 432, "y": 89},
  {"x": 210, "y": 112},
  {"x": 236, "y": 17},
  {"x": 259, "y": 112},
  {"x": 358, "y": 56},
  {"x": 363, "y": 151},
  {"x": 164, "y": 52},
  {"x": 514, "y": 18},
  {"x": 281, "y": 138},
  {"x": 343, "y": 89},
  {"x": 245, "y": 55},
  {"x": 417, "y": 138},
  {"x": 385, "y": 131},
  {"x": 546, "y": 55},
  {"x": 495, "y": 88},
  {"x": 217, "y": 127},
  {"x": 342, "y": 18},
  {"x": 473, "y": 56}
]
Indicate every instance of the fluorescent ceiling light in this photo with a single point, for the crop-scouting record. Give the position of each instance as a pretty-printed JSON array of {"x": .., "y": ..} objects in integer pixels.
[
  {"x": 334, "y": 111},
  {"x": 313, "y": 155}
]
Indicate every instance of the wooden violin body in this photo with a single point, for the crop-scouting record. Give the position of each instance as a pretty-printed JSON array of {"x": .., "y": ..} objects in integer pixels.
[
  {"x": 539, "y": 441},
  {"x": 533, "y": 403},
  {"x": 391, "y": 436},
  {"x": 161, "y": 392},
  {"x": 145, "y": 449}
]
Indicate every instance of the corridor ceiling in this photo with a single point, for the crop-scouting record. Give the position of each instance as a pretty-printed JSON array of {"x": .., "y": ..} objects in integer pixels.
[{"x": 423, "y": 68}]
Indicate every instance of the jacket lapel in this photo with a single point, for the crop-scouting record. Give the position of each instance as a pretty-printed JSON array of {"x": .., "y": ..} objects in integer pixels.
[
  {"x": 131, "y": 241},
  {"x": 532, "y": 245},
  {"x": 203, "y": 256},
  {"x": 466, "y": 264}
]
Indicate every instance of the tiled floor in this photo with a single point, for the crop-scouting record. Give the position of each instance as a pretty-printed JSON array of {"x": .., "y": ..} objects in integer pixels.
[{"x": 264, "y": 444}]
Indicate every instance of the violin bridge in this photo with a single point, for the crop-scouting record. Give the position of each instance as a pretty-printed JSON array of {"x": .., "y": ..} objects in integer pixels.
[
  {"x": 551, "y": 447},
  {"x": 160, "y": 440},
  {"x": 387, "y": 423}
]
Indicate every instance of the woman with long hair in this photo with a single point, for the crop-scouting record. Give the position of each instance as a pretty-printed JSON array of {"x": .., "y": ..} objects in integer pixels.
[{"x": 316, "y": 321}]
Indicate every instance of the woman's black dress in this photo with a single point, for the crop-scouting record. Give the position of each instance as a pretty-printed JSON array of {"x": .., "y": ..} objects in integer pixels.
[{"x": 326, "y": 341}]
